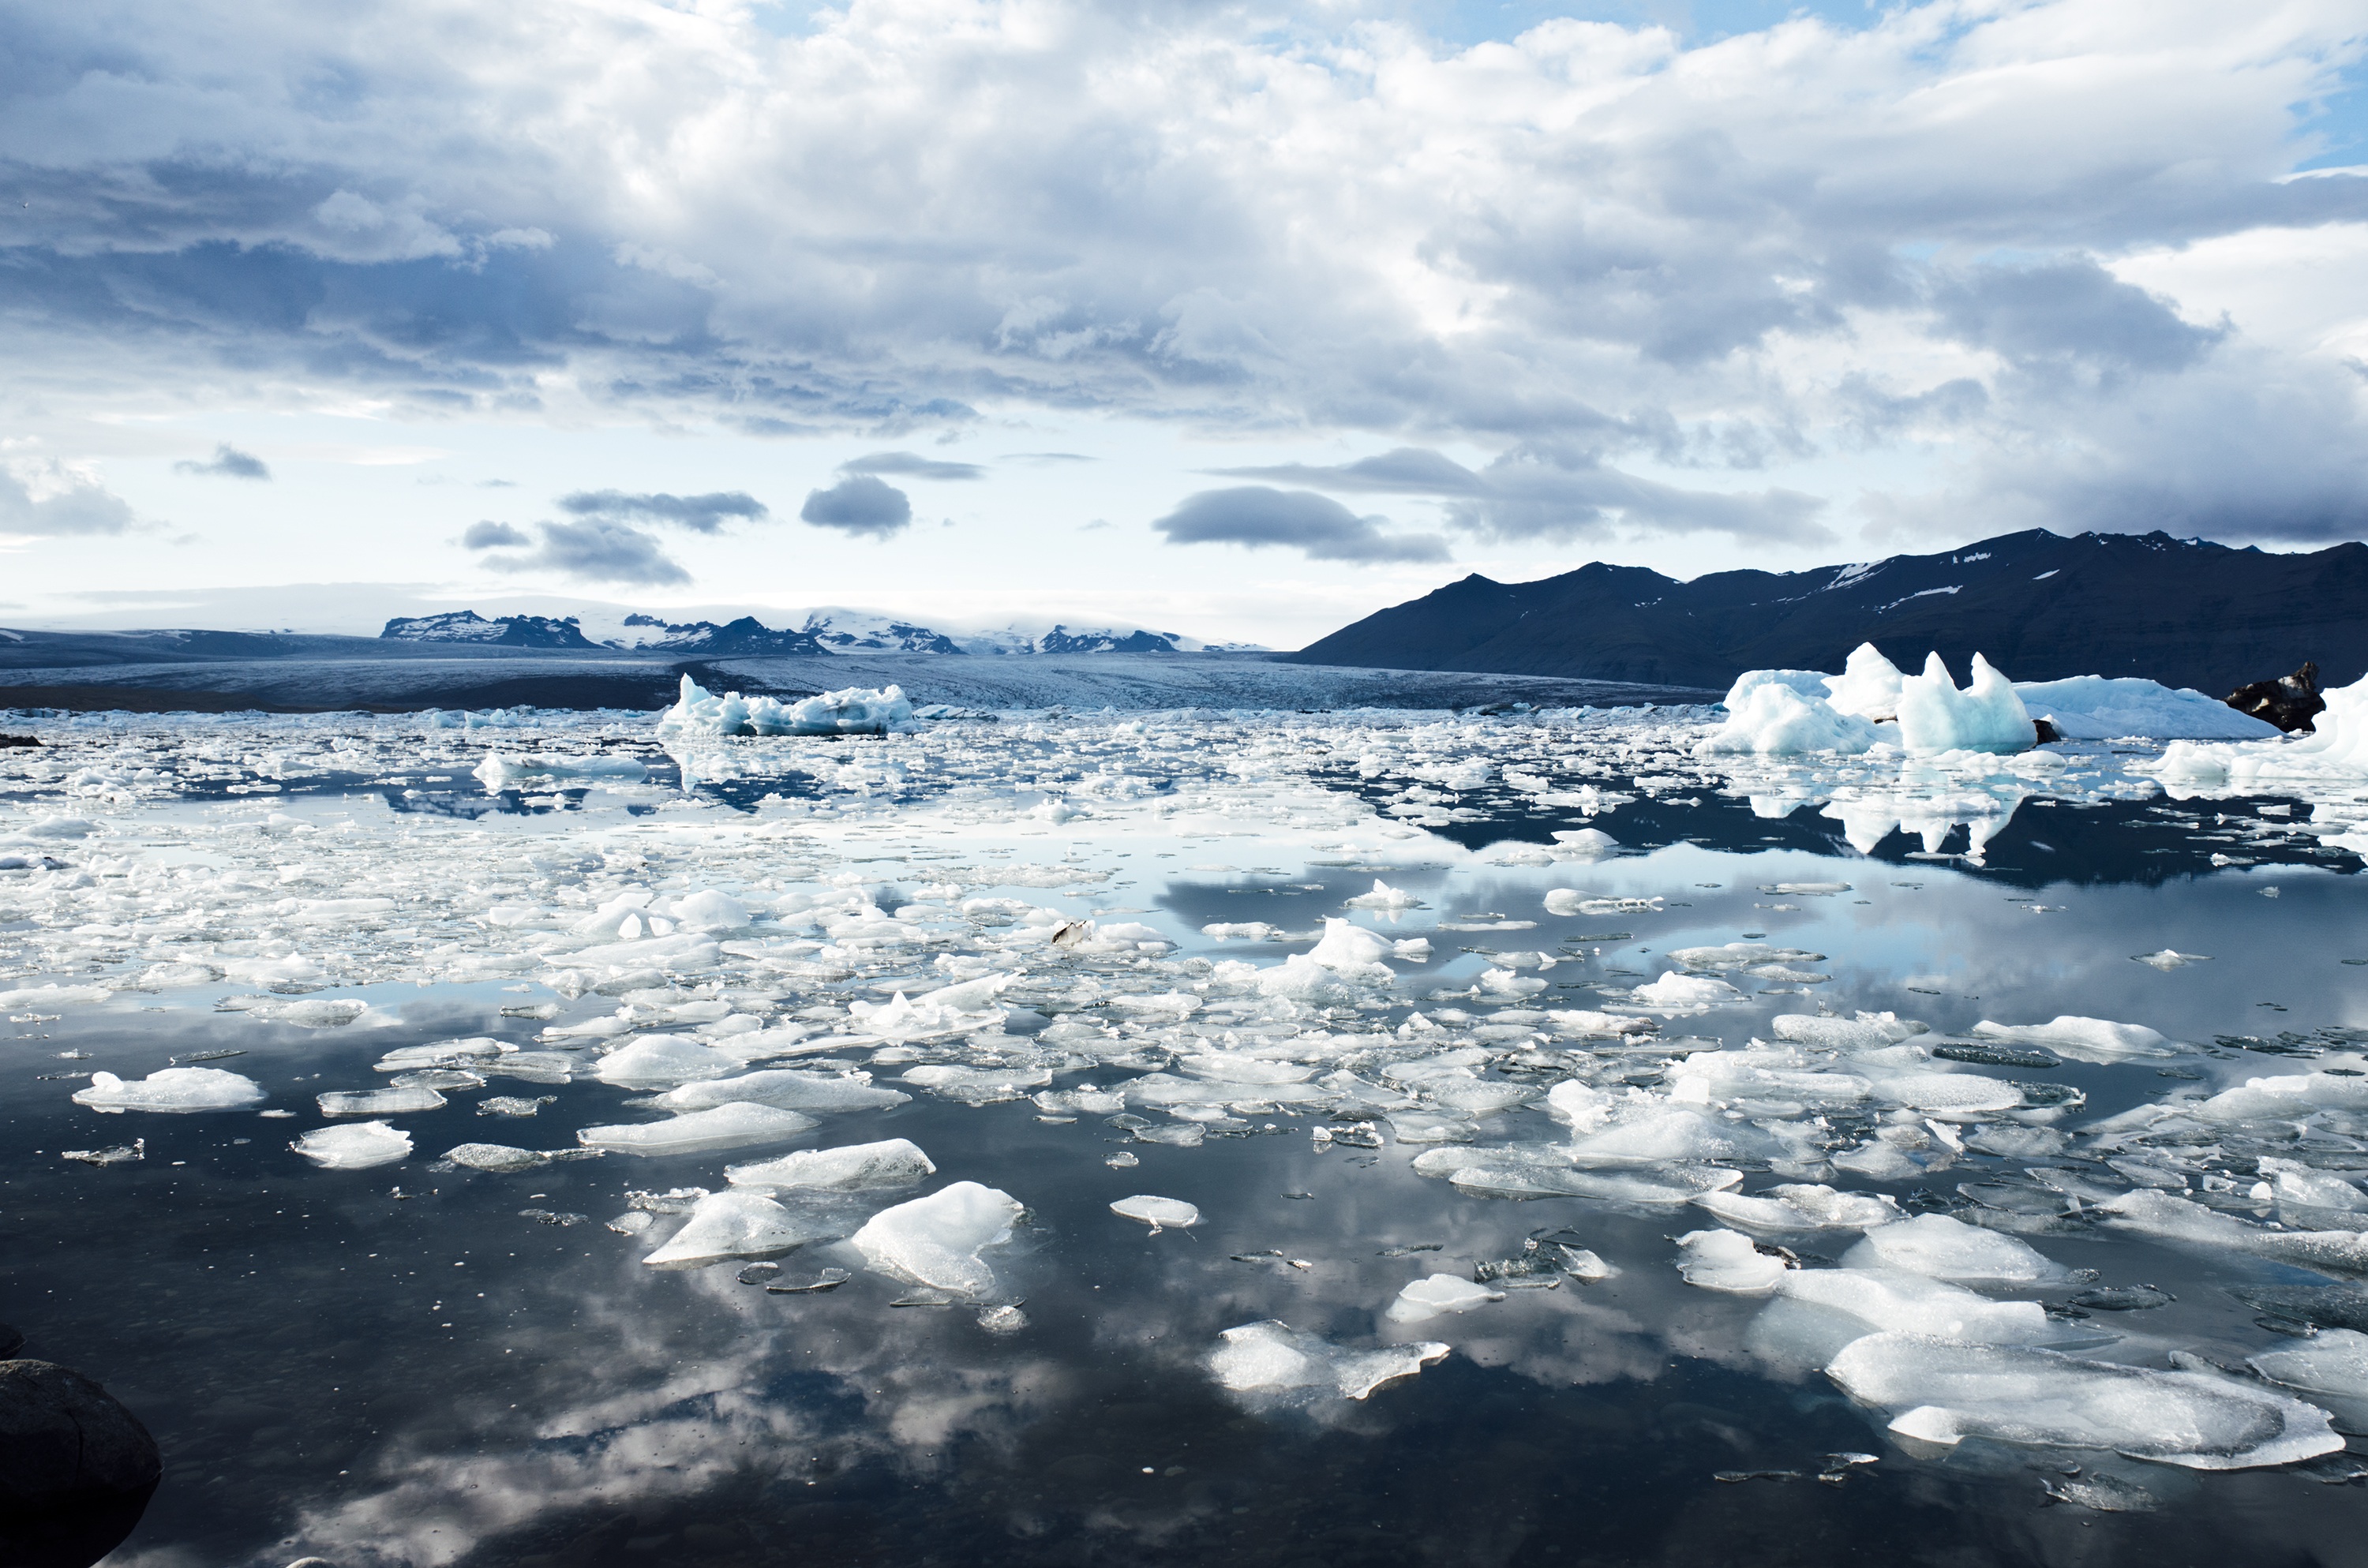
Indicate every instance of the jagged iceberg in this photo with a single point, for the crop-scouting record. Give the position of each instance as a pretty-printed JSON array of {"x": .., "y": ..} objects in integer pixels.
[
  {"x": 856, "y": 711},
  {"x": 1985, "y": 715}
]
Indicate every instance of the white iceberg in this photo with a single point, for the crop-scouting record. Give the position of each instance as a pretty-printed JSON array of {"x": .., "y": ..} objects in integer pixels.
[
  {"x": 935, "y": 1241},
  {"x": 1427, "y": 1298},
  {"x": 173, "y": 1089},
  {"x": 732, "y": 1126},
  {"x": 853, "y": 1167},
  {"x": 1800, "y": 1207},
  {"x": 732, "y": 1224},
  {"x": 2100, "y": 708},
  {"x": 1945, "y": 1393},
  {"x": 664, "y": 1061},
  {"x": 1775, "y": 720},
  {"x": 2090, "y": 1039},
  {"x": 1987, "y": 716},
  {"x": 1727, "y": 1260},
  {"x": 1159, "y": 1213},
  {"x": 1274, "y": 1358},
  {"x": 354, "y": 1146},
  {"x": 1940, "y": 1248},
  {"x": 789, "y": 1089},
  {"x": 1868, "y": 686},
  {"x": 856, "y": 711}
]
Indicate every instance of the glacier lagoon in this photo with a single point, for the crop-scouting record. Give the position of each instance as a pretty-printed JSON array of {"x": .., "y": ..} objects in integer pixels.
[{"x": 1596, "y": 1150}]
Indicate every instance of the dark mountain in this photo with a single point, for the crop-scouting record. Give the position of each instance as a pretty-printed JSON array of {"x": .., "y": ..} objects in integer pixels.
[
  {"x": 746, "y": 635},
  {"x": 1061, "y": 640},
  {"x": 506, "y": 632},
  {"x": 2039, "y": 605}
]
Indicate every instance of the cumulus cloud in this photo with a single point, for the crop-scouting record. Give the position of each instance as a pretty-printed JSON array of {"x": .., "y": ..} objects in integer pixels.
[
  {"x": 700, "y": 513},
  {"x": 1739, "y": 252},
  {"x": 47, "y": 499},
  {"x": 1316, "y": 526},
  {"x": 598, "y": 550},
  {"x": 491, "y": 535},
  {"x": 859, "y": 505},
  {"x": 228, "y": 462},
  {"x": 911, "y": 465},
  {"x": 1408, "y": 471}
]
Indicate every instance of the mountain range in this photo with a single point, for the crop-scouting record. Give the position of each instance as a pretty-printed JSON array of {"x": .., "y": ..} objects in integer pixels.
[
  {"x": 824, "y": 632},
  {"x": 2039, "y": 605}
]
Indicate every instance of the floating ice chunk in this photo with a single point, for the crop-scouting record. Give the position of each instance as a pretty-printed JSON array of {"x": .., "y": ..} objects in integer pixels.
[
  {"x": 662, "y": 1061},
  {"x": 501, "y": 1158},
  {"x": 1240, "y": 931},
  {"x": 2170, "y": 958},
  {"x": 732, "y": 1126},
  {"x": 853, "y": 1167},
  {"x": 1957, "y": 1094},
  {"x": 787, "y": 1088},
  {"x": 1276, "y": 1360},
  {"x": 2088, "y": 1039},
  {"x": 2294, "y": 1182},
  {"x": 1934, "y": 716},
  {"x": 1774, "y": 719},
  {"x": 1230, "y": 1067},
  {"x": 1742, "y": 955},
  {"x": 2155, "y": 1213},
  {"x": 708, "y": 910},
  {"x": 1424, "y": 1299},
  {"x": 950, "y": 1009},
  {"x": 378, "y": 1102},
  {"x": 1868, "y": 686},
  {"x": 499, "y": 772},
  {"x": 856, "y": 711},
  {"x": 1868, "y": 1031},
  {"x": 1159, "y": 1213},
  {"x": 1761, "y": 1072},
  {"x": 443, "y": 1053},
  {"x": 1385, "y": 896},
  {"x": 1802, "y": 1206},
  {"x": 41, "y": 997},
  {"x": 354, "y": 1147},
  {"x": 173, "y": 1089},
  {"x": 2335, "y": 1361},
  {"x": 1584, "y": 844},
  {"x": 2099, "y": 708},
  {"x": 1881, "y": 1299},
  {"x": 1679, "y": 992},
  {"x": 935, "y": 1241},
  {"x": 1659, "y": 1135},
  {"x": 1944, "y": 1392},
  {"x": 734, "y": 1224},
  {"x": 1727, "y": 1260},
  {"x": 1940, "y": 1248}
]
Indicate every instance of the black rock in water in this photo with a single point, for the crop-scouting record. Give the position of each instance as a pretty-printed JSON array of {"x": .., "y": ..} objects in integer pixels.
[
  {"x": 2321, "y": 1306},
  {"x": 2291, "y": 702},
  {"x": 2037, "y": 605},
  {"x": 76, "y": 1469}
]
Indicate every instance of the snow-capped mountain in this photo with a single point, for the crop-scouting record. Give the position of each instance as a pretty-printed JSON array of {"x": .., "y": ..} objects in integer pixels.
[
  {"x": 507, "y": 631},
  {"x": 830, "y": 630}
]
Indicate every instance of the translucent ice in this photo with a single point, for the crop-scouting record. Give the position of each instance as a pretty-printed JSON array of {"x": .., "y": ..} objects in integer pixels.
[
  {"x": 893, "y": 1162},
  {"x": 936, "y": 1239},
  {"x": 1159, "y": 1213},
  {"x": 664, "y": 1061},
  {"x": 1987, "y": 716},
  {"x": 732, "y": 1126},
  {"x": 1428, "y": 1298},
  {"x": 1891, "y": 1300},
  {"x": 1940, "y": 1248},
  {"x": 1802, "y": 1206},
  {"x": 2090, "y": 1039},
  {"x": 1273, "y": 1358},
  {"x": 854, "y": 711},
  {"x": 1868, "y": 686},
  {"x": 1385, "y": 897},
  {"x": 1725, "y": 1260},
  {"x": 1943, "y": 1392},
  {"x": 732, "y": 1224},
  {"x": 378, "y": 1102},
  {"x": 2335, "y": 1361},
  {"x": 173, "y": 1089},
  {"x": 2155, "y": 1213},
  {"x": 354, "y": 1146},
  {"x": 787, "y": 1088},
  {"x": 1774, "y": 719}
]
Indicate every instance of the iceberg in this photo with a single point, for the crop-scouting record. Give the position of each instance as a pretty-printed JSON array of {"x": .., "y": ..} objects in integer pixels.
[
  {"x": 1945, "y": 1393},
  {"x": 891, "y": 1162},
  {"x": 2099, "y": 708},
  {"x": 1427, "y": 1298},
  {"x": 355, "y": 1146},
  {"x": 730, "y": 1126},
  {"x": 856, "y": 711},
  {"x": 732, "y": 1224},
  {"x": 1274, "y": 1358},
  {"x": 1775, "y": 720},
  {"x": 1868, "y": 686},
  {"x": 789, "y": 1089},
  {"x": 1987, "y": 716},
  {"x": 935, "y": 1241},
  {"x": 1159, "y": 1213},
  {"x": 173, "y": 1089},
  {"x": 1727, "y": 1260}
]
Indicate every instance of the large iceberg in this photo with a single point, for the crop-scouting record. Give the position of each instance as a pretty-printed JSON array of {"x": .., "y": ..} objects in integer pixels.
[
  {"x": 2098, "y": 707},
  {"x": 2337, "y": 747},
  {"x": 1987, "y": 715},
  {"x": 1773, "y": 718},
  {"x": 858, "y": 710}
]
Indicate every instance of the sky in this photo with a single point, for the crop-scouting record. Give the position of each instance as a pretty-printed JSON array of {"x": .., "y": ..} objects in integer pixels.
[{"x": 1239, "y": 320}]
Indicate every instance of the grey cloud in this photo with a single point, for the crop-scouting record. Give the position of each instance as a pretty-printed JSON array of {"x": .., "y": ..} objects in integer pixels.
[
  {"x": 858, "y": 505},
  {"x": 700, "y": 513},
  {"x": 1407, "y": 471},
  {"x": 58, "y": 502},
  {"x": 490, "y": 535},
  {"x": 1316, "y": 526},
  {"x": 596, "y": 551},
  {"x": 228, "y": 462},
  {"x": 911, "y": 465},
  {"x": 2067, "y": 312},
  {"x": 1047, "y": 459},
  {"x": 1532, "y": 495}
]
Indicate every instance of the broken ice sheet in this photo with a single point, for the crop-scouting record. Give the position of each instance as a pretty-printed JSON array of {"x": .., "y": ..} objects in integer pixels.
[
  {"x": 736, "y": 1125},
  {"x": 736, "y": 1224},
  {"x": 935, "y": 1241},
  {"x": 890, "y": 1162},
  {"x": 1289, "y": 1366},
  {"x": 120, "y": 1154},
  {"x": 354, "y": 1146},
  {"x": 514, "y": 1105},
  {"x": 1427, "y": 1298},
  {"x": 171, "y": 1089},
  {"x": 378, "y": 1102}
]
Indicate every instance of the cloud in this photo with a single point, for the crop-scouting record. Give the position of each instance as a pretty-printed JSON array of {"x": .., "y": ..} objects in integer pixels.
[
  {"x": 858, "y": 505},
  {"x": 596, "y": 551},
  {"x": 912, "y": 465},
  {"x": 700, "y": 513},
  {"x": 1316, "y": 526},
  {"x": 1407, "y": 471},
  {"x": 47, "y": 499},
  {"x": 490, "y": 535},
  {"x": 228, "y": 462},
  {"x": 1047, "y": 459}
]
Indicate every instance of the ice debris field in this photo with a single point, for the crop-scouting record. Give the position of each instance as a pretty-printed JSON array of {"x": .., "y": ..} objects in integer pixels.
[{"x": 1606, "y": 1039}]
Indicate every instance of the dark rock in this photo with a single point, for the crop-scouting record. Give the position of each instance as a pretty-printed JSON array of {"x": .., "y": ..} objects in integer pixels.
[
  {"x": 19, "y": 740},
  {"x": 11, "y": 1340},
  {"x": 2291, "y": 702},
  {"x": 2048, "y": 731},
  {"x": 76, "y": 1469}
]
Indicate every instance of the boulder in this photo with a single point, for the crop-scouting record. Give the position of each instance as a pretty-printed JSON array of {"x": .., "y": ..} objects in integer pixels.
[
  {"x": 2291, "y": 702},
  {"x": 76, "y": 1469}
]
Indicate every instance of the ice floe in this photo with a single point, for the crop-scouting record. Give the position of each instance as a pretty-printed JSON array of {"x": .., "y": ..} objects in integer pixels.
[
  {"x": 172, "y": 1089},
  {"x": 354, "y": 1146},
  {"x": 935, "y": 1241},
  {"x": 734, "y": 1125},
  {"x": 1274, "y": 1360}
]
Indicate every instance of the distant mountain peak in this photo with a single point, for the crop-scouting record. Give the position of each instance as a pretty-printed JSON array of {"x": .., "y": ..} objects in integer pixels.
[{"x": 507, "y": 631}]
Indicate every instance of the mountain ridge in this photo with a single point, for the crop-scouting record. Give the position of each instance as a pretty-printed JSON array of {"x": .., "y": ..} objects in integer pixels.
[{"x": 2039, "y": 605}]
